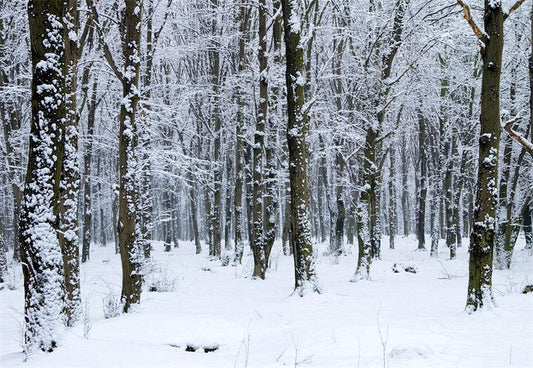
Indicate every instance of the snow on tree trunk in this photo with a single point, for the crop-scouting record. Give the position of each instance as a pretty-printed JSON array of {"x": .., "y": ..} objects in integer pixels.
[
  {"x": 41, "y": 257},
  {"x": 239, "y": 167},
  {"x": 483, "y": 230},
  {"x": 128, "y": 194},
  {"x": 70, "y": 175},
  {"x": 258, "y": 218},
  {"x": 297, "y": 127},
  {"x": 3, "y": 255}
]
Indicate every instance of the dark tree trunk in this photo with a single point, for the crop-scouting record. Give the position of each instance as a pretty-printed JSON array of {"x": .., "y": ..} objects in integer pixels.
[
  {"x": 422, "y": 153},
  {"x": 70, "y": 175},
  {"x": 128, "y": 193},
  {"x": 258, "y": 222},
  {"x": 87, "y": 210},
  {"x": 392, "y": 200},
  {"x": 297, "y": 127},
  {"x": 483, "y": 231}
]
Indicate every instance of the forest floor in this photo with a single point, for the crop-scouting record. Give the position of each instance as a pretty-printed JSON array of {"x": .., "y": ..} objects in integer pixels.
[{"x": 394, "y": 320}]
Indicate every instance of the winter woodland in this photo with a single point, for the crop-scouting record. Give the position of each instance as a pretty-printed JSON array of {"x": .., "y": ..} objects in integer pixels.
[{"x": 264, "y": 183}]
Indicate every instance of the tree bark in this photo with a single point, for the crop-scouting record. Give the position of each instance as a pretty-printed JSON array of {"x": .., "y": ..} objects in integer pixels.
[
  {"x": 482, "y": 237},
  {"x": 128, "y": 193},
  {"x": 297, "y": 127},
  {"x": 422, "y": 153},
  {"x": 41, "y": 257},
  {"x": 70, "y": 175},
  {"x": 258, "y": 221}
]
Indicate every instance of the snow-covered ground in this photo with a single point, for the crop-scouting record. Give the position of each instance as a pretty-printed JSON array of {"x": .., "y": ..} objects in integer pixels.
[{"x": 394, "y": 320}]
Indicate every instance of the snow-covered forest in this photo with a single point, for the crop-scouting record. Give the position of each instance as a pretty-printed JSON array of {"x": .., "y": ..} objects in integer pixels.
[{"x": 264, "y": 183}]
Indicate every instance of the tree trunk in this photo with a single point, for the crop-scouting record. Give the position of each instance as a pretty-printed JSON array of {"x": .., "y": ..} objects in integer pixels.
[
  {"x": 528, "y": 229},
  {"x": 484, "y": 222},
  {"x": 128, "y": 194},
  {"x": 229, "y": 207},
  {"x": 194, "y": 212},
  {"x": 341, "y": 210},
  {"x": 405, "y": 191},
  {"x": 3, "y": 254},
  {"x": 258, "y": 221},
  {"x": 448, "y": 197},
  {"x": 41, "y": 258},
  {"x": 422, "y": 153},
  {"x": 392, "y": 200},
  {"x": 70, "y": 175},
  {"x": 297, "y": 126},
  {"x": 239, "y": 167},
  {"x": 216, "y": 215},
  {"x": 87, "y": 157}
]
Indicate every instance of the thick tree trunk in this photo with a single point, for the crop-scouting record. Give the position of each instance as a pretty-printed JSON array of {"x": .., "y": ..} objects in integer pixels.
[
  {"x": 271, "y": 201},
  {"x": 70, "y": 175},
  {"x": 483, "y": 231},
  {"x": 297, "y": 126},
  {"x": 41, "y": 258},
  {"x": 128, "y": 194}
]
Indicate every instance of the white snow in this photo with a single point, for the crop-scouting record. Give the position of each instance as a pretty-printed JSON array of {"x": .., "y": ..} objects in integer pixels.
[{"x": 416, "y": 320}]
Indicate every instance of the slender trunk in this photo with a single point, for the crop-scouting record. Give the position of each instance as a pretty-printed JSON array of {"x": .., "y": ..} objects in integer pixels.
[
  {"x": 341, "y": 209},
  {"x": 392, "y": 200},
  {"x": 258, "y": 221},
  {"x": 405, "y": 191},
  {"x": 194, "y": 213},
  {"x": 229, "y": 207},
  {"x": 87, "y": 185},
  {"x": 421, "y": 215}
]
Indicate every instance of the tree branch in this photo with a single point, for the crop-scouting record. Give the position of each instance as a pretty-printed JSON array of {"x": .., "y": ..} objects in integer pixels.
[
  {"x": 527, "y": 145},
  {"x": 107, "y": 52},
  {"x": 512, "y": 9},
  {"x": 468, "y": 16}
]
